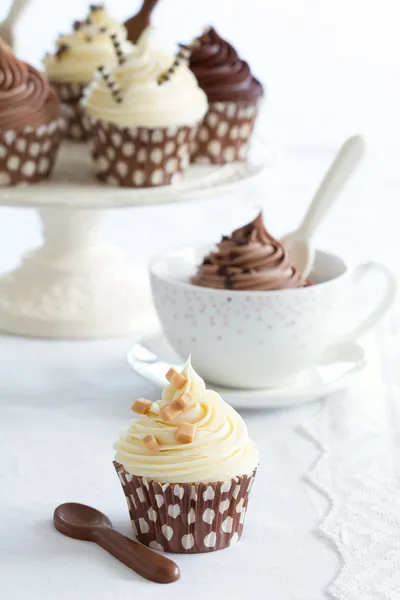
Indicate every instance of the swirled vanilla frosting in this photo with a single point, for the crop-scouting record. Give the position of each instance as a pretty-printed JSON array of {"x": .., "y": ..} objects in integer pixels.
[
  {"x": 249, "y": 259},
  {"x": 26, "y": 98},
  {"x": 80, "y": 53},
  {"x": 221, "y": 448},
  {"x": 144, "y": 101}
]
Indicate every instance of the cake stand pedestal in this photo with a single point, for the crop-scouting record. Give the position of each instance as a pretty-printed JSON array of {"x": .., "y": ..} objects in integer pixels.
[{"x": 77, "y": 285}]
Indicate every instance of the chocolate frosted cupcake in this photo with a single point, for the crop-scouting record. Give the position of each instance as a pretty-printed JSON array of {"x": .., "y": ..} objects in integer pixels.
[
  {"x": 78, "y": 55},
  {"x": 233, "y": 95},
  {"x": 30, "y": 124},
  {"x": 250, "y": 259},
  {"x": 142, "y": 118},
  {"x": 186, "y": 466}
]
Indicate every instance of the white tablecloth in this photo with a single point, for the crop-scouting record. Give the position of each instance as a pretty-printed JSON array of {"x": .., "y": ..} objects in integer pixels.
[{"x": 58, "y": 423}]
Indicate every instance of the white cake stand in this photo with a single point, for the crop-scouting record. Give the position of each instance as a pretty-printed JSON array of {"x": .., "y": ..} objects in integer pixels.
[{"x": 76, "y": 285}]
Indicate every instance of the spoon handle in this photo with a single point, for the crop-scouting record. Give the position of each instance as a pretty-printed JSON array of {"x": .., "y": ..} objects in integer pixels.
[
  {"x": 345, "y": 163},
  {"x": 16, "y": 8},
  {"x": 146, "y": 562}
]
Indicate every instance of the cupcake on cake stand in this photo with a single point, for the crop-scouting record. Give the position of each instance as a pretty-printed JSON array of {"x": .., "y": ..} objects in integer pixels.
[{"x": 77, "y": 285}]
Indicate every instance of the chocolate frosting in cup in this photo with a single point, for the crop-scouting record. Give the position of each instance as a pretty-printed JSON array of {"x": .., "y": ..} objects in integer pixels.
[
  {"x": 250, "y": 259},
  {"x": 26, "y": 97},
  {"x": 222, "y": 75}
]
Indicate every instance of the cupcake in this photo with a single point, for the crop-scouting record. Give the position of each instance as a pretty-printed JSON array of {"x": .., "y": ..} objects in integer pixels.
[
  {"x": 186, "y": 466},
  {"x": 249, "y": 259},
  {"x": 72, "y": 67},
  {"x": 233, "y": 95},
  {"x": 30, "y": 124},
  {"x": 142, "y": 118}
]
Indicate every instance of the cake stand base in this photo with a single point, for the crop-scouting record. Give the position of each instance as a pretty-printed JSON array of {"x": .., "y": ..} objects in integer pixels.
[{"x": 75, "y": 285}]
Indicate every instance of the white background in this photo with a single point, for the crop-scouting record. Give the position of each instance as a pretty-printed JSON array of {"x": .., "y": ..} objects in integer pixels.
[{"x": 330, "y": 66}]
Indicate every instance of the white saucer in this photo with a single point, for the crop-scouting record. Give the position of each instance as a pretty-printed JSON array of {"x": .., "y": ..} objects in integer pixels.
[{"x": 152, "y": 356}]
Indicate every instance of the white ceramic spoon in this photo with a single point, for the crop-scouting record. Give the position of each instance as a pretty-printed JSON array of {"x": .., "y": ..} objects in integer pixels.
[
  {"x": 298, "y": 243},
  {"x": 8, "y": 25}
]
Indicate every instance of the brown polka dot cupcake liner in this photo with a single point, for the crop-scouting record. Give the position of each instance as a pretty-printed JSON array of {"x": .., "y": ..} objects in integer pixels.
[
  {"x": 225, "y": 133},
  {"x": 27, "y": 156},
  {"x": 70, "y": 95},
  {"x": 137, "y": 156},
  {"x": 186, "y": 518}
]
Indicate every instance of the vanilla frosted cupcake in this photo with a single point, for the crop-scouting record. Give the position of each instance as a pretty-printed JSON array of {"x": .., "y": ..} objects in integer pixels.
[
  {"x": 186, "y": 466},
  {"x": 78, "y": 55},
  {"x": 143, "y": 118},
  {"x": 30, "y": 123}
]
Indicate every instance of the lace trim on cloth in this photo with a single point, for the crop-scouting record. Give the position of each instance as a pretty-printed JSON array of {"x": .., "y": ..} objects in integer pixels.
[{"x": 358, "y": 472}]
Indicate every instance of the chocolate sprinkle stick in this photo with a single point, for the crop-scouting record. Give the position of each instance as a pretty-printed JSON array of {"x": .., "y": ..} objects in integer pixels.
[
  {"x": 61, "y": 50},
  {"x": 182, "y": 57},
  {"x": 93, "y": 8},
  {"x": 111, "y": 84},
  {"x": 117, "y": 47}
]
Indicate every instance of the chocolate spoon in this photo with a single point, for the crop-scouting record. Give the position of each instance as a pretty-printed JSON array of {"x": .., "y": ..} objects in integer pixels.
[
  {"x": 83, "y": 522},
  {"x": 298, "y": 243},
  {"x": 137, "y": 24}
]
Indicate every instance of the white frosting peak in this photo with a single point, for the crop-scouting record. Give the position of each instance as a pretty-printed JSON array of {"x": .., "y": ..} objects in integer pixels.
[
  {"x": 88, "y": 47},
  {"x": 220, "y": 451},
  {"x": 177, "y": 102}
]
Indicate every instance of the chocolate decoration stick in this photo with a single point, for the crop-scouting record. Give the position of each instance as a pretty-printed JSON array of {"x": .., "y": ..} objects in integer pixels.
[
  {"x": 117, "y": 47},
  {"x": 111, "y": 84},
  {"x": 182, "y": 57},
  {"x": 137, "y": 24},
  {"x": 83, "y": 522}
]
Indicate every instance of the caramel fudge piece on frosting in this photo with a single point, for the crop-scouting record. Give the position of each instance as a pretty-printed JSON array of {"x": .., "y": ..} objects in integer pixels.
[
  {"x": 175, "y": 378},
  {"x": 151, "y": 443},
  {"x": 170, "y": 411},
  {"x": 141, "y": 406},
  {"x": 185, "y": 433}
]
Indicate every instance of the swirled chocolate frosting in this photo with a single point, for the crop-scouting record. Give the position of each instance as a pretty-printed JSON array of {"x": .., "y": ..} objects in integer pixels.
[
  {"x": 26, "y": 97},
  {"x": 250, "y": 259},
  {"x": 221, "y": 74}
]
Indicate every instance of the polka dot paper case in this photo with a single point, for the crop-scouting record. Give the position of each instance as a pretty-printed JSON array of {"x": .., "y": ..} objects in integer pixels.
[
  {"x": 143, "y": 116},
  {"x": 234, "y": 96},
  {"x": 186, "y": 466},
  {"x": 30, "y": 125}
]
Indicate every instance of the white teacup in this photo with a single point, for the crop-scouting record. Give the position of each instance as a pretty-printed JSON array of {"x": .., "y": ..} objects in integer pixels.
[{"x": 254, "y": 339}]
